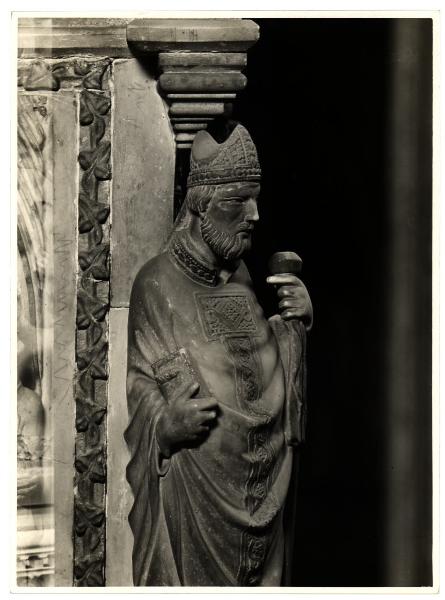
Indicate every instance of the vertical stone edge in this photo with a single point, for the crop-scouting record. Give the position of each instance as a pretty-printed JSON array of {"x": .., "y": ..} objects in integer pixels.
[
  {"x": 119, "y": 539},
  {"x": 143, "y": 175},
  {"x": 119, "y": 542},
  {"x": 93, "y": 303},
  {"x": 65, "y": 145},
  {"x": 409, "y": 538},
  {"x": 143, "y": 159}
]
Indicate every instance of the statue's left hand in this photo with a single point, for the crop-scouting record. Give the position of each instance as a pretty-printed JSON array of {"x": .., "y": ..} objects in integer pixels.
[{"x": 295, "y": 302}]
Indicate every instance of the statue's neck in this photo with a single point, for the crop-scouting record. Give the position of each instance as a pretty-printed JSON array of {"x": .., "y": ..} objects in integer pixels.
[{"x": 200, "y": 248}]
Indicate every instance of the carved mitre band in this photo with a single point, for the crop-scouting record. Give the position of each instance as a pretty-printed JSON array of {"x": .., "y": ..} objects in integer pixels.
[{"x": 235, "y": 159}]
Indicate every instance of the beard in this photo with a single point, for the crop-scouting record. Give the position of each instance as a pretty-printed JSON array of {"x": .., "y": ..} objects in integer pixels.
[{"x": 226, "y": 246}]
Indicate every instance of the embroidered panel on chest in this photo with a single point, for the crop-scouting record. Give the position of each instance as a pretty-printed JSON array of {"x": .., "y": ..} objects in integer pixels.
[
  {"x": 229, "y": 318},
  {"x": 225, "y": 314}
]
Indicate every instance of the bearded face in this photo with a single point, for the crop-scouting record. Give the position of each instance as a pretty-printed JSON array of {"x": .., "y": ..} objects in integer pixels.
[
  {"x": 225, "y": 245},
  {"x": 227, "y": 224}
]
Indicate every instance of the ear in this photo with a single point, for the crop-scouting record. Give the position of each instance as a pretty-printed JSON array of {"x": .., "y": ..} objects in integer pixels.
[{"x": 204, "y": 205}]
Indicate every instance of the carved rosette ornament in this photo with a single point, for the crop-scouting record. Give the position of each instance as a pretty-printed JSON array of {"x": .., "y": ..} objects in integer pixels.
[
  {"x": 55, "y": 74},
  {"x": 92, "y": 333},
  {"x": 200, "y": 63}
]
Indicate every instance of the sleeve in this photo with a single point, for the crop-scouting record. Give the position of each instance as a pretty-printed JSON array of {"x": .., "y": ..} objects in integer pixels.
[
  {"x": 149, "y": 339},
  {"x": 291, "y": 339}
]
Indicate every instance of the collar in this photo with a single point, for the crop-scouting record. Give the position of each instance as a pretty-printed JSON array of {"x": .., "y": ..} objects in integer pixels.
[{"x": 185, "y": 256}]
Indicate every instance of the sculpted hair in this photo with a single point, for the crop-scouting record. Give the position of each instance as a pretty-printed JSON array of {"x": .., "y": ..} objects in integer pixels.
[{"x": 198, "y": 197}]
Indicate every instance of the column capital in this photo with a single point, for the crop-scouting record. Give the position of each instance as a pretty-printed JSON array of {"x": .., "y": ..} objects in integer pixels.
[{"x": 200, "y": 63}]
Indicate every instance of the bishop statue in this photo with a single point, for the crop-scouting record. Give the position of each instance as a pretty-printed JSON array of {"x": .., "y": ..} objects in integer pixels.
[{"x": 215, "y": 390}]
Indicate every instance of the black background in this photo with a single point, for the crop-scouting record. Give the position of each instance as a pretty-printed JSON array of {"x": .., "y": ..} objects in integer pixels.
[{"x": 316, "y": 105}]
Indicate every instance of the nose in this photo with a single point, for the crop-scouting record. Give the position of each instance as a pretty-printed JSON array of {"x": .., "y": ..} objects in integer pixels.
[{"x": 252, "y": 210}]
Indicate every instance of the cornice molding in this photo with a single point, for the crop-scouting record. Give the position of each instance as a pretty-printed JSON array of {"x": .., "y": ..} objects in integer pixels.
[
  {"x": 116, "y": 37},
  {"x": 60, "y": 37},
  {"x": 199, "y": 61},
  {"x": 203, "y": 35}
]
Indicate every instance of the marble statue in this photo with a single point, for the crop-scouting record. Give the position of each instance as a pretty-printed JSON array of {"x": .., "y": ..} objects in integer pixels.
[{"x": 215, "y": 391}]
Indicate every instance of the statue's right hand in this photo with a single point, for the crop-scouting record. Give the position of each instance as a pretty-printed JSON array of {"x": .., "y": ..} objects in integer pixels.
[{"x": 185, "y": 419}]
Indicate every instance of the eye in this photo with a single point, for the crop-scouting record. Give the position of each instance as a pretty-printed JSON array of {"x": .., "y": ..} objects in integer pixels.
[{"x": 235, "y": 199}]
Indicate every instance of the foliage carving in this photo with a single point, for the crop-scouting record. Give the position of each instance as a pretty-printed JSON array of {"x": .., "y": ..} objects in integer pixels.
[{"x": 92, "y": 327}]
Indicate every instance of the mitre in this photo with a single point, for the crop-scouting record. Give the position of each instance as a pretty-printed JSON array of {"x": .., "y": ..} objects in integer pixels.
[{"x": 235, "y": 159}]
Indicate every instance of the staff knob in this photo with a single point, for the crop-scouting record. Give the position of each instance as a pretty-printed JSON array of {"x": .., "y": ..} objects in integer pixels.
[{"x": 285, "y": 262}]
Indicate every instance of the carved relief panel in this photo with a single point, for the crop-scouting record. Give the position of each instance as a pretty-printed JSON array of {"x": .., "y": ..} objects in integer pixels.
[
  {"x": 35, "y": 285},
  {"x": 63, "y": 242}
]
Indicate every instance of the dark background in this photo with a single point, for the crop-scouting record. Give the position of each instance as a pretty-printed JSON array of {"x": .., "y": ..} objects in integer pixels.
[{"x": 340, "y": 111}]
